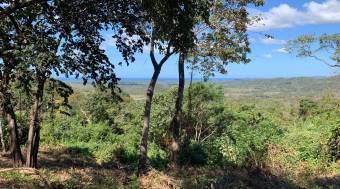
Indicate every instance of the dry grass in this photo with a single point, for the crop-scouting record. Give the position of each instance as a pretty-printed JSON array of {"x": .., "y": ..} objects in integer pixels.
[
  {"x": 62, "y": 169},
  {"x": 159, "y": 180}
]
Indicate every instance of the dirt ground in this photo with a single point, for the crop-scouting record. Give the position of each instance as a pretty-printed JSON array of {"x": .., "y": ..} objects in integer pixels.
[{"x": 65, "y": 168}]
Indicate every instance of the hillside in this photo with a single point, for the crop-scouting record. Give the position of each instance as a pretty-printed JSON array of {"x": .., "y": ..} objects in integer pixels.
[{"x": 247, "y": 88}]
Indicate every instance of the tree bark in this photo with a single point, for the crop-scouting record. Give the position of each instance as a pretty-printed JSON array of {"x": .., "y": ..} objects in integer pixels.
[
  {"x": 34, "y": 129},
  {"x": 142, "y": 164},
  {"x": 188, "y": 127},
  {"x": 190, "y": 93},
  {"x": 14, "y": 146},
  {"x": 3, "y": 146},
  {"x": 36, "y": 147},
  {"x": 176, "y": 120},
  {"x": 8, "y": 111}
]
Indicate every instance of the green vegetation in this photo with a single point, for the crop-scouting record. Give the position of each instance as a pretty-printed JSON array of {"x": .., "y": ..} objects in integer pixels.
[
  {"x": 293, "y": 145},
  {"x": 280, "y": 133}
]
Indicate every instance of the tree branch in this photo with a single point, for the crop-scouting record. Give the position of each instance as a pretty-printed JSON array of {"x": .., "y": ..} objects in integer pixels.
[
  {"x": 205, "y": 138},
  {"x": 15, "y": 24},
  {"x": 152, "y": 51},
  {"x": 324, "y": 61},
  {"x": 10, "y": 10},
  {"x": 199, "y": 30},
  {"x": 167, "y": 55}
]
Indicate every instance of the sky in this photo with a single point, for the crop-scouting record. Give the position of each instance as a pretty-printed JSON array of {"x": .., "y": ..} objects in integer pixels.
[{"x": 282, "y": 19}]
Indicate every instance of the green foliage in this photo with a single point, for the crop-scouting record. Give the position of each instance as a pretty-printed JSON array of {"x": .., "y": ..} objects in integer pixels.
[
  {"x": 222, "y": 37},
  {"x": 305, "y": 138},
  {"x": 247, "y": 138},
  {"x": 307, "y": 107},
  {"x": 105, "y": 141},
  {"x": 313, "y": 46},
  {"x": 161, "y": 115},
  {"x": 205, "y": 113},
  {"x": 101, "y": 106},
  {"x": 194, "y": 154},
  {"x": 158, "y": 157},
  {"x": 306, "y": 150},
  {"x": 334, "y": 144},
  {"x": 22, "y": 180},
  {"x": 238, "y": 134},
  {"x": 39, "y": 39}
]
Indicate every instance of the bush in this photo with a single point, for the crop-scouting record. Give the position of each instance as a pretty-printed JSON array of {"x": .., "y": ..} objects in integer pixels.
[
  {"x": 334, "y": 144},
  {"x": 158, "y": 157},
  {"x": 246, "y": 140},
  {"x": 194, "y": 154},
  {"x": 307, "y": 107}
]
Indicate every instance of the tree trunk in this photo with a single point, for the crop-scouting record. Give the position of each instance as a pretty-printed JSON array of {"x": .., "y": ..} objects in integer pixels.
[
  {"x": 2, "y": 137},
  {"x": 36, "y": 147},
  {"x": 188, "y": 128},
  {"x": 14, "y": 146},
  {"x": 34, "y": 129},
  {"x": 8, "y": 110},
  {"x": 176, "y": 120},
  {"x": 190, "y": 93},
  {"x": 142, "y": 164}
]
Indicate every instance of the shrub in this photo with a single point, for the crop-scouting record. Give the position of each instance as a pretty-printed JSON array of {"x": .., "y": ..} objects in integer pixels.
[
  {"x": 246, "y": 140},
  {"x": 334, "y": 144},
  {"x": 307, "y": 107},
  {"x": 194, "y": 154}
]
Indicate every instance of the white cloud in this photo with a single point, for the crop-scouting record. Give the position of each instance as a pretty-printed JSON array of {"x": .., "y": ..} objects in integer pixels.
[
  {"x": 268, "y": 56},
  {"x": 273, "y": 41},
  {"x": 285, "y": 16},
  {"x": 281, "y": 50}
]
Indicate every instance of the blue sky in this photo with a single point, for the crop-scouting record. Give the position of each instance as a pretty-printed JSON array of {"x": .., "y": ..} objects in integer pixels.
[{"x": 283, "y": 19}]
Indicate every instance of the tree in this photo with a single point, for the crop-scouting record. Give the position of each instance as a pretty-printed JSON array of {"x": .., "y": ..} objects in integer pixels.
[
  {"x": 220, "y": 39},
  {"x": 57, "y": 37},
  {"x": 316, "y": 47},
  {"x": 100, "y": 106},
  {"x": 207, "y": 111},
  {"x": 57, "y": 46},
  {"x": 168, "y": 38},
  {"x": 11, "y": 42}
]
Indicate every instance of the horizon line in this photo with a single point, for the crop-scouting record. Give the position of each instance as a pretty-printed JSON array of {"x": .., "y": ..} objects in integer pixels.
[{"x": 212, "y": 78}]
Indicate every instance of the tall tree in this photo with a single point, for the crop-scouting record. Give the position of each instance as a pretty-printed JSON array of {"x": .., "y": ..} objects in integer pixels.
[
  {"x": 11, "y": 44},
  {"x": 220, "y": 39},
  {"x": 168, "y": 25},
  {"x": 58, "y": 37}
]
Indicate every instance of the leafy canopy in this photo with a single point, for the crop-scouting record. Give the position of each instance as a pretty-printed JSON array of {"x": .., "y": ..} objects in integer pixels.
[{"x": 317, "y": 47}]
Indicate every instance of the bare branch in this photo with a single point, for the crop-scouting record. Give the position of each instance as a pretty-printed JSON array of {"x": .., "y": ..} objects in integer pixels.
[{"x": 205, "y": 138}]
